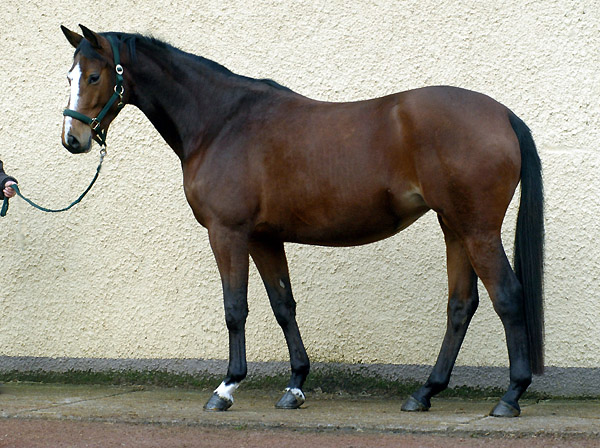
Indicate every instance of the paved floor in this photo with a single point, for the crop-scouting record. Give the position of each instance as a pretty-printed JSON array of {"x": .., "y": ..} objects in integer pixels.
[{"x": 323, "y": 413}]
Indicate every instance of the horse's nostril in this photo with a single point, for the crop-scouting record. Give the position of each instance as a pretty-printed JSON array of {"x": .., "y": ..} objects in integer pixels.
[{"x": 73, "y": 142}]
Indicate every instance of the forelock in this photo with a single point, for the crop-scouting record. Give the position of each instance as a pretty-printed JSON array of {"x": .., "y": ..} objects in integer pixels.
[{"x": 86, "y": 49}]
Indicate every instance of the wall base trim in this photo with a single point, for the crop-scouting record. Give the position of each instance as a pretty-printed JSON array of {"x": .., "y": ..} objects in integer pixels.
[{"x": 557, "y": 381}]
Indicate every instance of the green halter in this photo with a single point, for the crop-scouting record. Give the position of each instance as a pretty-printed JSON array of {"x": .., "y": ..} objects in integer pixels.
[{"x": 94, "y": 123}]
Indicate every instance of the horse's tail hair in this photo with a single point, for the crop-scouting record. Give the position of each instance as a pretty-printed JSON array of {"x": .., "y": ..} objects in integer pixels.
[{"x": 529, "y": 243}]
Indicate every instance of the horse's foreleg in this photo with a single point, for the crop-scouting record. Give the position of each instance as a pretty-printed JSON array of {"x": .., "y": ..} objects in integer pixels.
[
  {"x": 462, "y": 303},
  {"x": 231, "y": 252},
  {"x": 269, "y": 257}
]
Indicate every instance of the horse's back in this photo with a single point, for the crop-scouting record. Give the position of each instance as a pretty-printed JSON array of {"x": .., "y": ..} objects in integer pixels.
[{"x": 382, "y": 163}]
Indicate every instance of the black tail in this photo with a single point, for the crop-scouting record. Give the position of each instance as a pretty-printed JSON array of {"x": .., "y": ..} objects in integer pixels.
[{"x": 529, "y": 242}]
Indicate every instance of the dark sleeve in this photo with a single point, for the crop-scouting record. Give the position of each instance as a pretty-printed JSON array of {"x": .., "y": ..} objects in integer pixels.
[{"x": 3, "y": 179}]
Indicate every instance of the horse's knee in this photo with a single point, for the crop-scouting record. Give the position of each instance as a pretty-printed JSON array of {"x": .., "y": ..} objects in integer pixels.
[
  {"x": 235, "y": 316},
  {"x": 285, "y": 313}
]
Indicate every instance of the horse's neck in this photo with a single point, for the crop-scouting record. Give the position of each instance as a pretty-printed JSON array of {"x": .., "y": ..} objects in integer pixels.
[{"x": 185, "y": 100}]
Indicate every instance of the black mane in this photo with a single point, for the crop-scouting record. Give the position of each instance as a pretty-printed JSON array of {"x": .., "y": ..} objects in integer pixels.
[{"x": 152, "y": 43}]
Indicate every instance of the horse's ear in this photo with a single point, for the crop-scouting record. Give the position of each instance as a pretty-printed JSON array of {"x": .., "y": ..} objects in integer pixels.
[
  {"x": 73, "y": 38},
  {"x": 91, "y": 37}
]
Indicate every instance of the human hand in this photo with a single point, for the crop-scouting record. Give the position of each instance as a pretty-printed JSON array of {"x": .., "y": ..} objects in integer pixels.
[{"x": 9, "y": 192}]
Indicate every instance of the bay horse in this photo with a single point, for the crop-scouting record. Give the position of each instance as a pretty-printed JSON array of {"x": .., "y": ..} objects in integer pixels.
[{"x": 263, "y": 165}]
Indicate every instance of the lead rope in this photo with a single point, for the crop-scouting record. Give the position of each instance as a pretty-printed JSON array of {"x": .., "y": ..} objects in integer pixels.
[{"x": 49, "y": 210}]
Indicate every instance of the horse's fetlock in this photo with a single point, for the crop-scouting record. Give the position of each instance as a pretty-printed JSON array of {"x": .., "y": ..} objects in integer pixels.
[
  {"x": 522, "y": 380},
  {"x": 236, "y": 375},
  {"x": 302, "y": 369}
]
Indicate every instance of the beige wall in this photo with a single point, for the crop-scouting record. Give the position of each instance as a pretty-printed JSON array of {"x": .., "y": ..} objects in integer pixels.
[{"x": 129, "y": 273}]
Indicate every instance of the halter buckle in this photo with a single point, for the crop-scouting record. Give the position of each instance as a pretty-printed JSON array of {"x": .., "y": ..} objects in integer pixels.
[{"x": 95, "y": 124}]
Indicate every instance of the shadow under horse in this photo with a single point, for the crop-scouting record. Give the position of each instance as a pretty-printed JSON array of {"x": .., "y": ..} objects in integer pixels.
[{"x": 263, "y": 165}]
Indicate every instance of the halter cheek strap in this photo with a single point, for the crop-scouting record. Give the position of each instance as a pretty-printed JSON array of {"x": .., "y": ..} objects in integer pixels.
[{"x": 95, "y": 123}]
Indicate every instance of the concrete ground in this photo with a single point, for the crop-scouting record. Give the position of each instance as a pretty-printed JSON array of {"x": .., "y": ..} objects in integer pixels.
[{"x": 45, "y": 415}]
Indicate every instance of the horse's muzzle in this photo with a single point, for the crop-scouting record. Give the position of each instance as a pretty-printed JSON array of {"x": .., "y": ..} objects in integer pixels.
[{"x": 74, "y": 145}]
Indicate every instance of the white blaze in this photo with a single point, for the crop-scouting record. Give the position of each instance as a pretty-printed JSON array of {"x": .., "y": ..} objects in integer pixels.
[{"x": 75, "y": 77}]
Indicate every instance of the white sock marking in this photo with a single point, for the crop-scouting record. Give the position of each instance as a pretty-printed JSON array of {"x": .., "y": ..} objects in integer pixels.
[
  {"x": 297, "y": 393},
  {"x": 226, "y": 391}
]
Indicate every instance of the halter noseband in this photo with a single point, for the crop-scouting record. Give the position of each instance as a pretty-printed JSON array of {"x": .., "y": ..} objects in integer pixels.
[{"x": 94, "y": 123}]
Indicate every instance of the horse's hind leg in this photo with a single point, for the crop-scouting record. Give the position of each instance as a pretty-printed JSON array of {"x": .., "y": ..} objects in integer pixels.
[
  {"x": 491, "y": 265},
  {"x": 462, "y": 303},
  {"x": 269, "y": 257}
]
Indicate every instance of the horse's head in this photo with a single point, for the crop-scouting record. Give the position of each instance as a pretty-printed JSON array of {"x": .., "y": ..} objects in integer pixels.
[{"x": 96, "y": 90}]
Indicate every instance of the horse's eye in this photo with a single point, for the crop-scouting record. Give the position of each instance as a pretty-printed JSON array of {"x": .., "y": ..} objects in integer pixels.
[{"x": 94, "y": 78}]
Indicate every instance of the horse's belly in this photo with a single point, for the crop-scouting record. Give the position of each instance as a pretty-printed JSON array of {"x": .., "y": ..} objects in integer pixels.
[{"x": 361, "y": 226}]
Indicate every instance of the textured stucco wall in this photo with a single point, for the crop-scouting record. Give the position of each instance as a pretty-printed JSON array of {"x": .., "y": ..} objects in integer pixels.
[{"x": 129, "y": 273}]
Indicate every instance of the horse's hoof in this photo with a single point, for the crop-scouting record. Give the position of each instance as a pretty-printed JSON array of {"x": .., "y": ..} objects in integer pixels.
[
  {"x": 503, "y": 409},
  {"x": 413, "y": 405},
  {"x": 217, "y": 404},
  {"x": 292, "y": 399}
]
